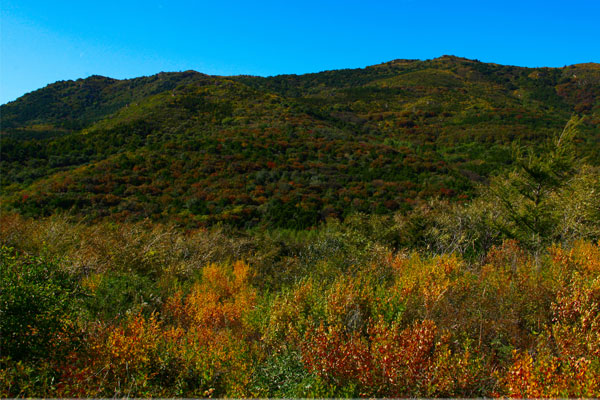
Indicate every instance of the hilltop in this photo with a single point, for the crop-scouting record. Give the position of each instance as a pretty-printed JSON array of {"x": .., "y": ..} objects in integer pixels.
[{"x": 283, "y": 151}]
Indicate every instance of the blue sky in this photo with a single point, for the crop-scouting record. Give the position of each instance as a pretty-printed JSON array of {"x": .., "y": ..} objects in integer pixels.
[{"x": 45, "y": 41}]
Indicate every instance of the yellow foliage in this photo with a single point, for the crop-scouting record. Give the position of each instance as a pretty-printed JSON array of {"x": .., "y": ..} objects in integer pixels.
[{"x": 426, "y": 281}]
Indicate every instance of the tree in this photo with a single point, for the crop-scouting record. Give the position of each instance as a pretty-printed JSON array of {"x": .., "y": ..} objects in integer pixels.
[{"x": 527, "y": 197}]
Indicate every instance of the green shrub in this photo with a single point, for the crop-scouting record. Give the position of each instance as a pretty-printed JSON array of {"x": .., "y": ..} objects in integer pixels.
[
  {"x": 118, "y": 293},
  {"x": 38, "y": 305}
]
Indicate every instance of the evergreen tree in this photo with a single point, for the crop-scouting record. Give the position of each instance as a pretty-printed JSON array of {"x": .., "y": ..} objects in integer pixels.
[{"x": 527, "y": 196}]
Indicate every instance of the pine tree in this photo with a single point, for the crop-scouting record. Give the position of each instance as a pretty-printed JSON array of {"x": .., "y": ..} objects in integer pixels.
[{"x": 526, "y": 197}]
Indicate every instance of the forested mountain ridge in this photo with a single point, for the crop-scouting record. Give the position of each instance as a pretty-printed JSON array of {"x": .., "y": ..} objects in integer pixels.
[
  {"x": 70, "y": 105},
  {"x": 283, "y": 151}
]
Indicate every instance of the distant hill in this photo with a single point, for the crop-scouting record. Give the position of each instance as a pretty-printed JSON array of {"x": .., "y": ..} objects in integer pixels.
[{"x": 283, "y": 151}]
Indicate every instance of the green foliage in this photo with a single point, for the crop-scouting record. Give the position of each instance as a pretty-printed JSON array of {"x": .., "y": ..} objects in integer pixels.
[
  {"x": 26, "y": 379},
  {"x": 38, "y": 304},
  {"x": 117, "y": 294},
  {"x": 548, "y": 197},
  {"x": 282, "y": 375},
  {"x": 281, "y": 152},
  {"x": 527, "y": 196}
]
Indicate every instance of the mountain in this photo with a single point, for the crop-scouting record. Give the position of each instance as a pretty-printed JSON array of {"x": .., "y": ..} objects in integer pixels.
[{"x": 283, "y": 151}]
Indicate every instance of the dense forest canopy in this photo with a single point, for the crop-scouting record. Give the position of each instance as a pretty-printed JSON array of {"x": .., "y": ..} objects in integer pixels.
[{"x": 287, "y": 151}]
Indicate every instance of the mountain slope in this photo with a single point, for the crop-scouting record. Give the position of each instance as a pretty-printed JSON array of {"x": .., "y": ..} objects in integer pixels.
[
  {"x": 283, "y": 151},
  {"x": 72, "y": 105}
]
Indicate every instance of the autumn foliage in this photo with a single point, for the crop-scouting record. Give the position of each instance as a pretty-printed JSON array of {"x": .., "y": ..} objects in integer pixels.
[{"x": 392, "y": 324}]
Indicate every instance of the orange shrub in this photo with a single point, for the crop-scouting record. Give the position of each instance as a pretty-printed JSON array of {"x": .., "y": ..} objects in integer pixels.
[
  {"x": 566, "y": 359},
  {"x": 546, "y": 375},
  {"x": 211, "y": 337},
  {"x": 120, "y": 360}
]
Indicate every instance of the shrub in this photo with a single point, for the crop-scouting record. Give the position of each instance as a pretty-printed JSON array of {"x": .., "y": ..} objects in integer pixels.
[{"x": 39, "y": 303}]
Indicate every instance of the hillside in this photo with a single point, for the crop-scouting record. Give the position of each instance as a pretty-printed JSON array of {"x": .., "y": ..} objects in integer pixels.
[
  {"x": 284, "y": 151},
  {"x": 422, "y": 229}
]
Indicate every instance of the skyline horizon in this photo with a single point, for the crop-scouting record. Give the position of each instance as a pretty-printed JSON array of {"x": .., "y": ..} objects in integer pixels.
[
  {"x": 45, "y": 42},
  {"x": 298, "y": 74}
]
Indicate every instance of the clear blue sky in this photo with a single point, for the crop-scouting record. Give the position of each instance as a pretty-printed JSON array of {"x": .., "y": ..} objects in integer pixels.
[{"x": 45, "y": 41}]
